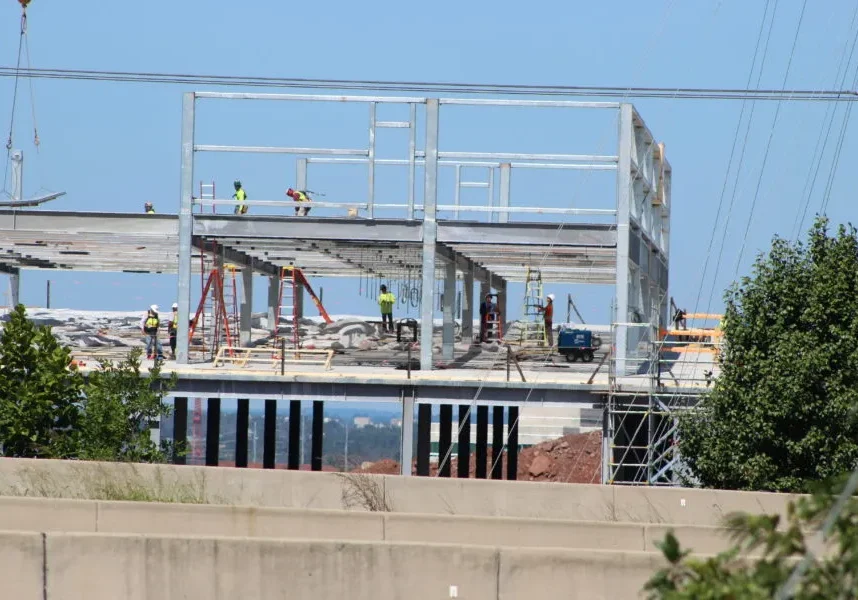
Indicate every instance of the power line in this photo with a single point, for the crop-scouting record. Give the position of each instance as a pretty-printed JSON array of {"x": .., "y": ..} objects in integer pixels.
[{"x": 797, "y": 95}]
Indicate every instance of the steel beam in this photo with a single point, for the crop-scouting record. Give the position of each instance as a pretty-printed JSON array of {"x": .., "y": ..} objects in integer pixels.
[
  {"x": 242, "y": 422},
  {"x": 482, "y": 441},
  {"x": 317, "y": 445},
  {"x": 464, "y": 442},
  {"x": 14, "y": 287},
  {"x": 624, "y": 197},
  {"x": 512, "y": 443},
  {"x": 430, "y": 232},
  {"x": 448, "y": 344},
  {"x": 180, "y": 430},
  {"x": 294, "y": 456},
  {"x": 306, "y": 228},
  {"x": 424, "y": 430},
  {"x": 497, "y": 442},
  {"x": 527, "y": 234},
  {"x": 246, "y": 308},
  {"x": 445, "y": 424},
  {"x": 468, "y": 306},
  {"x": 406, "y": 446},
  {"x": 273, "y": 302},
  {"x": 212, "y": 432},
  {"x": 186, "y": 225},
  {"x": 269, "y": 443}
]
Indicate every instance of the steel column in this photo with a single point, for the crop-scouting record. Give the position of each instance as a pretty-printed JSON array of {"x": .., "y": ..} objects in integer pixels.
[
  {"x": 412, "y": 158},
  {"x": 497, "y": 442},
  {"x": 445, "y": 456},
  {"x": 448, "y": 344},
  {"x": 430, "y": 234},
  {"x": 186, "y": 224},
  {"x": 464, "y": 442},
  {"x": 273, "y": 301},
  {"x": 505, "y": 172},
  {"x": 242, "y": 421},
  {"x": 301, "y": 174},
  {"x": 269, "y": 443},
  {"x": 512, "y": 444},
  {"x": 501, "y": 288},
  {"x": 317, "y": 446},
  {"x": 482, "y": 441},
  {"x": 424, "y": 431},
  {"x": 246, "y": 307},
  {"x": 180, "y": 431},
  {"x": 624, "y": 196},
  {"x": 371, "y": 162},
  {"x": 293, "y": 460},
  {"x": 14, "y": 288},
  {"x": 406, "y": 444},
  {"x": 212, "y": 432},
  {"x": 468, "y": 305},
  {"x": 299, "y": 302}
]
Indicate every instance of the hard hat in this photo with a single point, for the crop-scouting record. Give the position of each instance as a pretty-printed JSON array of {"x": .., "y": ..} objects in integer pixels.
[
  {"x": 175, "y": 305},
  {"x": 154, "y": 308},
  {"x": 550, "y": 297},
  {"x": 148, "y": 204},
  {"x": 236, "y": 183}
]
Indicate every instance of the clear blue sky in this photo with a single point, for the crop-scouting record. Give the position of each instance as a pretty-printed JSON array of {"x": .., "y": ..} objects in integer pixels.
[{"x": 113, "y": 146}]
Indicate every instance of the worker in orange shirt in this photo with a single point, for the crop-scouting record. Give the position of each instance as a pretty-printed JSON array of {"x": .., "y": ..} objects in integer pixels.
[{"x": 548, "y": 314}]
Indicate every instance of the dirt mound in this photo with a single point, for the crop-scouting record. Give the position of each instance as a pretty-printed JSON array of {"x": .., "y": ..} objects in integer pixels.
[{"x": 575, "y": 458}]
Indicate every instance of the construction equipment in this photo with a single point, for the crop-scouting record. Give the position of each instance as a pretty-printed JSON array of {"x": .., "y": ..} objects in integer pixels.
[
  {"x": 292, "y": 283},
  {"x": 532, "y": 329},
  {"x": 578, "y": 343},
  {"x": 492, "y": 330}
]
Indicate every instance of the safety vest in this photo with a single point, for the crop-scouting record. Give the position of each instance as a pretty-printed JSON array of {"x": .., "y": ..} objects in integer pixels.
[
  {"x": 301, "y": 197},
  {"x": 151, "y": 211},
  {"x": 174, "y": 322},
  {"x": 386, "y": 302},
  {"x": 151, "y": 325}
]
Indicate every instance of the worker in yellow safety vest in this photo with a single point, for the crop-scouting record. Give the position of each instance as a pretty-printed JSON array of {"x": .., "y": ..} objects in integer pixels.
[
  {"x": 149, "y": 325},
  {"x": 240, "y": 197},
  {"x": 386, "y": 300},
  {"x": 173, "y": 329},
  {"x": 300, "y": 197},
  {"x": 148, "y": 208}
]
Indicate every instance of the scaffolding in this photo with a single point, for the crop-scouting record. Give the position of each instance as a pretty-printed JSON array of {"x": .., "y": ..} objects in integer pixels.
[{"x": 647, "y": 393}]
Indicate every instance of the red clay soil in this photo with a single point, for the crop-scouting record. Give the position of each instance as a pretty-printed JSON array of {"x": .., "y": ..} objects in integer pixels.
[{"x": 575, "y": 458}]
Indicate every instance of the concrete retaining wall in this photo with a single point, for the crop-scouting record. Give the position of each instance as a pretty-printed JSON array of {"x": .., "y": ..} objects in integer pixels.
[
  {"x": 88, "y": 516},
  {"x": 71, "y": 479},
  {"x": 95, "y": 567}
]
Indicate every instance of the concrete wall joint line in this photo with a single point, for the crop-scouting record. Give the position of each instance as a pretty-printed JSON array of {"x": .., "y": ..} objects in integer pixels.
[{"x": 44, "y": 566}]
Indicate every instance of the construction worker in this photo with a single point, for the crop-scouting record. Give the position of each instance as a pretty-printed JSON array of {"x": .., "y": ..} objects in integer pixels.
[
  {"x": 679, "y": 320},
  {"x": 386, "y": 300},
  {"x": 149, "y": 325},
  {"x": 148, "y": 208},
  {"x": 173, "y": 329},
  {"x": 240, "y": 197},
  {"x": 487, "y": 308},
  {"x": 300, "y": 197},
  {"x": 548, "y": 314}
]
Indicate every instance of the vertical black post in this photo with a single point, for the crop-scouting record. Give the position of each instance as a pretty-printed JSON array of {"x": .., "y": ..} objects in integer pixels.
[
  {"x": 242, "y": 420},
  {"x": 464, "y": 467},
  {"x": 212, "y": 432},
  {"x": 497, "y": 442},
  {"x": 318, "y": 435},
  {"x": 445, "y": 457},
  {"x": 424, "y": 425},
  {"x": 294, "y": 458},
  {"x": 283, "y": 351},
  {"x": 512, "y": 444},
  {"x": 482, "y": 440},
  {"x": 180, "y": 430},
  {"x": 270, "y": 437}
]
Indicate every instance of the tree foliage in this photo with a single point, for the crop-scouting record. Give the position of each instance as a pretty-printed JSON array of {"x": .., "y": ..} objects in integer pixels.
[
  {"x": 49, "y": 410},
  {"x": 730, "y": 575},
  {"x": 781, "y": 413},
  {"x": 39, "y": 394}
]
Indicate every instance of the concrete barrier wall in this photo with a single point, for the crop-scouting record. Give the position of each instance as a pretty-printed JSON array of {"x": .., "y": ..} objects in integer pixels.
[
  {"x": 88, "y": 516},
  {"x": 95, "y": 566},
  {"x": 71, "y": 479}
]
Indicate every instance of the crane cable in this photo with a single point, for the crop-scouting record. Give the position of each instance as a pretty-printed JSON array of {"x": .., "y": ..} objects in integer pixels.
[{"x": 23, "y": 51}]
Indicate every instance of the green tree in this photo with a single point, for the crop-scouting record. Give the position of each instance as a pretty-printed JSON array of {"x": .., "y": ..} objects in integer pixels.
[
  {"x": 39, "y": 392},
  {"x": 780, "y": 415},
  {"x": 779, "y": 546},
  {"x": 118, "y": 410}
]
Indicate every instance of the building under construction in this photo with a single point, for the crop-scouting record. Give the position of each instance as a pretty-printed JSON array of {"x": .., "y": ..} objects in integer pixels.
[{"x": 426, "y": 236}]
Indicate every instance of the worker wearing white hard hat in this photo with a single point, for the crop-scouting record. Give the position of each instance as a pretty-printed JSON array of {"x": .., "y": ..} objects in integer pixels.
[
  {"x": 173, "y": 329},
  {"x": 149, "y": 325},
  {"x": 548, "y": 314}
]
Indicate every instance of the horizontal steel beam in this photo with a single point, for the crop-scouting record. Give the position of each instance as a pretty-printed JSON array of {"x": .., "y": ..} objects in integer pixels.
[
  {"x": 89, "y": 222},
  {"x": 527, "y": 234},
  {"x": 308, "y": 228},
  {"x": 506, "y": 156},
  {"x": 280, "y": 150},
  {"x": 310, "y": 97}
]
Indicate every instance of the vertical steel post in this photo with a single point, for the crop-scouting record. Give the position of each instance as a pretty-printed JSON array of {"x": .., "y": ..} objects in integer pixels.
[
  {"x": 273, "y": 301},
  {"x": 430, "y": 234},
  {"x": 607, "y": 441},
  {"x": 212, "y": 432},
  {"x": 497, "y": 442},
  {"x": 512, "y": 443},
  {"x": 242, "y": 419},
  {"x": 424, "y": 432},
  {"x": 299, "y": 302},
  {"x": 180, "y": 431},
  {"x": 48, "y": 295},
  {"x": 458, "y": 191},
  {"x": 316, "y": 444},
  {"x": 186, "y": 226},
  {"x": 468, "y": 305},
  {"x": 406, "y": 450},
  {"x": 505, "y": 173},
  {"x": 448, "y": 346},
  {"x": 412, "y": 158},
  {"x": 464, "y": 442},
  {"x": 301, "y": 174},
  {"x": 482, "y": 449},
  {"x": 445, "y": 439},
  {"x": 371, "y": 161},
  {"x": 491, "y": 191},
  {"x": 14, "y": 288},
  {"x": 624, "y": 198},
  {"x": 246, "y": 308},
  {"x": 293, "y": 458},
  {"x": 269, "y": 442},
  {"x": 502, "y": 297}
]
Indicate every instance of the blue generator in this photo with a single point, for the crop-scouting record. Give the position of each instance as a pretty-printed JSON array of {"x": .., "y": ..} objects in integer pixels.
[{"x": 577, "y": 343}]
